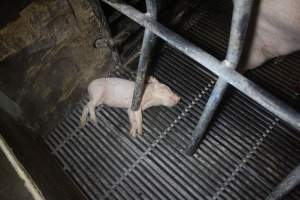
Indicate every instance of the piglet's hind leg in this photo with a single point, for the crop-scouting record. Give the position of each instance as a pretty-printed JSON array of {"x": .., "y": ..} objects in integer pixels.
[
  {"x": 95, "y": 100},
  {"x": 92, "y": 108},
  {"x": 83, "y": 117}
]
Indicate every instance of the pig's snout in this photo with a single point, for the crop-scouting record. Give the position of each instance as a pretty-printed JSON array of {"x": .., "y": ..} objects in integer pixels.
[{"x": 175, "y": 98}]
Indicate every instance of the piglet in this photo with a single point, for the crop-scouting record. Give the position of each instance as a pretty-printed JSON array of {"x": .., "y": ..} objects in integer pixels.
[{"x": 116, "y": 92}]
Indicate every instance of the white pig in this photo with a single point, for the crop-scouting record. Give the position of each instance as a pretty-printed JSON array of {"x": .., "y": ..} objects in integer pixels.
[
  {"x": 116, "y": 92},
  {"x": 276, "y": 33}
]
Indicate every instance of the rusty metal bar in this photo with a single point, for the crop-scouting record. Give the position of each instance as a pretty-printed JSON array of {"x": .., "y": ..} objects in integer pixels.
[
  {"x": 239, "y": 26},
  {"x": 231, "y": 76},
  {"x": 147, "y": 46}
]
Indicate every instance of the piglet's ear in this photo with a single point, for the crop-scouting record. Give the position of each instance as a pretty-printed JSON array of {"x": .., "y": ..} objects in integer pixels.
[{"x": 151, "y": 79}]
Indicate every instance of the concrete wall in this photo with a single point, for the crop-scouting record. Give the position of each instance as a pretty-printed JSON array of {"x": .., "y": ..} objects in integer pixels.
[{"x": 47, "y": 58}]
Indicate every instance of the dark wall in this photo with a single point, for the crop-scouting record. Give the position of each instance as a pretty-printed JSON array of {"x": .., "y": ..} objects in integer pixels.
[
  {"x": 9, "y": 10},
  {"x": 47, "y": 59}
]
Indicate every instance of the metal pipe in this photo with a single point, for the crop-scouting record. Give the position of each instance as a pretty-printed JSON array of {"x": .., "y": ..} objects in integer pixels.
[
  {"x": 239, "y": 26},
  {"x": 97, "y": 8},
  {"x": 240, "y": 82},
  {"x": 147, "y": 46},
  {"x": 208, "y": 113},
  {"x": 287, "y": 185}
]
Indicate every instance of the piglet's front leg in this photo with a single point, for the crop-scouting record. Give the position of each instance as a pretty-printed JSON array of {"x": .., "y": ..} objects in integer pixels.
[
  {"x": 133, "y": 123},
  {"x": 139, "y": 121},
  {"x": 136, "y": 122}
]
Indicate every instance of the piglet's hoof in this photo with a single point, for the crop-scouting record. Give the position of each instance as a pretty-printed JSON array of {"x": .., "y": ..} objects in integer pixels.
[
  {"x": 94, "y": 122},
  {"x": 140, "y": 131},
  {"x": 133, "y": 132},
  {"x": 81, "y": 125}
]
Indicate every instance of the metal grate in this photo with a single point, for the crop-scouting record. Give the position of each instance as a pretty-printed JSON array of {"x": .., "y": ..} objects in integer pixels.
[
  {"x": 281, "y": 75},
  {"x": 246, "y": 152}
]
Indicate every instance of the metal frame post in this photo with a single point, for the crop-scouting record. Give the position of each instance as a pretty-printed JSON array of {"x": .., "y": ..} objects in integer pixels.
[
  {"x": 249, "y": 88},
  {"x": 287, "y": 185},
  {"x": 147, "y": 46},
  {"x": 239, "y": 26},
  {"x": 106, "y": 41}
]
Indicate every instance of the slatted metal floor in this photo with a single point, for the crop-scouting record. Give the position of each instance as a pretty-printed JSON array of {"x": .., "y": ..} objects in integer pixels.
[{"x": 247, "y": 151}]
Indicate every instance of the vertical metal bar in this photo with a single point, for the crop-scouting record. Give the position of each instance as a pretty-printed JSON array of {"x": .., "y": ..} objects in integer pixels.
[
  {"x": 239, "y": 25},
  {"x": 287, "y": 185},
  {"x": 96, "y": 5},
  {"x": 147, "y": 46}
]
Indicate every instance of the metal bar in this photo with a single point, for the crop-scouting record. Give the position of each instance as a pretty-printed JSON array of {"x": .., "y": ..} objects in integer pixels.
[
  {"x": 208, "y": 113},
  {"x": 121, "y": 37},
  {"x": 239, "y": 26},
  {"x": 240, "y": 82},
  {"x": 147, "y": 46},
  {"x": 10, "y": 107},
  {"x": 97, "y": 8},
  {"x": 287, "y": 185}
]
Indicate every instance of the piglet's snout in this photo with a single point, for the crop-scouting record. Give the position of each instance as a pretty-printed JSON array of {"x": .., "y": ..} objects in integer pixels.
[{"x": 175, "y": 99}]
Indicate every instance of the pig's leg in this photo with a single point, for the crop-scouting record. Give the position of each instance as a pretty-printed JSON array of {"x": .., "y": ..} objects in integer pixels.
[
  {"x": 139, "y": 121},
  {"x": 133, "y": 123},
  {"x": 95, "y": 100},
  {"x": 92, "y": 106},
  {"x": 83, "y": 117}
]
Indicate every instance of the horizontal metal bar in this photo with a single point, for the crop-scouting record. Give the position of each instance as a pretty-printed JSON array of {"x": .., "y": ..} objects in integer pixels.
[
  {"x": 239, "y": 26},
  {"x": 240, "y": 82}
]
